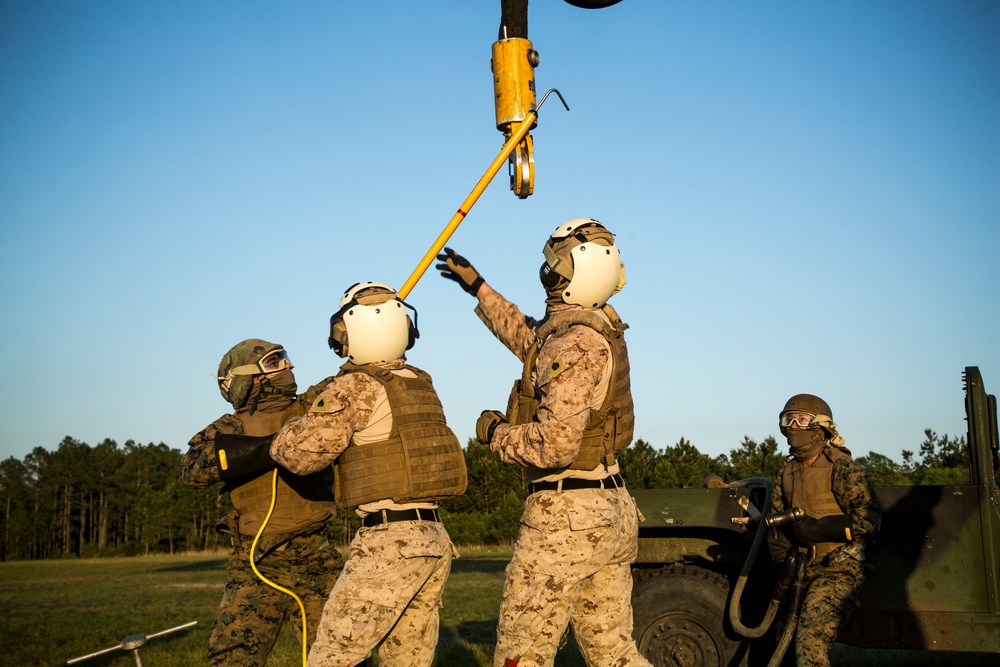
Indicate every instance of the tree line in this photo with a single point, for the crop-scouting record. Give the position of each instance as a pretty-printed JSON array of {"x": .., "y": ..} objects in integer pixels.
[{"x": 110, "y": 500}]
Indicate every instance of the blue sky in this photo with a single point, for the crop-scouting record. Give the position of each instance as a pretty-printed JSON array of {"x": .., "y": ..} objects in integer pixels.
[{"x": 806, "y": 196}]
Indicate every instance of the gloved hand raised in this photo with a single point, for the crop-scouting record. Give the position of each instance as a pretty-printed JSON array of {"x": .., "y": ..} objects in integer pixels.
[
  {"x": 811, "y": 531},
  {"x": 455, "y": 267},
  {"x": 487, "y": 423}
]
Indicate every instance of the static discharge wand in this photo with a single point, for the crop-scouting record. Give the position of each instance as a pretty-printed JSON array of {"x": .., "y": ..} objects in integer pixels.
[{"x": 511, "y": 144}]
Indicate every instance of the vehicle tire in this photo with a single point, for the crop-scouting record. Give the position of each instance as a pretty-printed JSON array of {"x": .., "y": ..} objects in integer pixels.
[{"x": 681, "y": 618}]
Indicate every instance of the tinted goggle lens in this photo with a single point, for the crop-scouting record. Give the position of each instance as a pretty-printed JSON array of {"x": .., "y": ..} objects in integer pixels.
[
  {"x": 275, "y": 361},
  {"x": 800, "y": 419}
]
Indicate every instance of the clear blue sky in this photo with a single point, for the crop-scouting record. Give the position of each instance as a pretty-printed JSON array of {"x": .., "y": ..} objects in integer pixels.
[{"x": 806, "y": 196}]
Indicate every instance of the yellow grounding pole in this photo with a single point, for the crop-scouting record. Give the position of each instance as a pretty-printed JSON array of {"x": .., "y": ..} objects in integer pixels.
[
  {"x": 470, "y": 201},
  {"x": 253, "y": 564}
]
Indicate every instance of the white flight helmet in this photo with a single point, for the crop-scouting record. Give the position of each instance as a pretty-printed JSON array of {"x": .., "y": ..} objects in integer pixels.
[
  {"x": 372, "y": 324},
  {"x": 582, "y": 263}
]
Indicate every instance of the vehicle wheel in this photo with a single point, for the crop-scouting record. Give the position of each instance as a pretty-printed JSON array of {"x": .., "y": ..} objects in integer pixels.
[{"x": 681, "y": 618}]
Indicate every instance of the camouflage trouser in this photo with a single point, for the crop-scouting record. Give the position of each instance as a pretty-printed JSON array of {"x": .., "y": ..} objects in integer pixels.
[
  {"x": 389, "y": 593},
  {"x": 571, "y": 565},
  {"x": 251, "y": 612},
  {"x": 833, "y": 593}
]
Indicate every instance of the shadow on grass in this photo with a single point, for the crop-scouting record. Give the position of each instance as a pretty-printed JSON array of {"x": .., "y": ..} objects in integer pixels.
[
  {"x": 480, "y": 565},
  {"x": 455, "y": 644},
  {"x": 212, "y": 565}
]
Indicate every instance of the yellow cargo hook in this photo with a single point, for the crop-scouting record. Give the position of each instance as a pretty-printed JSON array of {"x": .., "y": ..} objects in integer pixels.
[{"x": 470, "y": 201}]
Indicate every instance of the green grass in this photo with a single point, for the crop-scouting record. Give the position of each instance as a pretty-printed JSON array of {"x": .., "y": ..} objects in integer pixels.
[{"x": 60, "y": 609}]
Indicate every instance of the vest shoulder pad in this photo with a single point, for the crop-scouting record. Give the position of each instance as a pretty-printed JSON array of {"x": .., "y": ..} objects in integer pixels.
[
  {"x": 559, "y": 324},
  {"x": 834, "y": 453}
]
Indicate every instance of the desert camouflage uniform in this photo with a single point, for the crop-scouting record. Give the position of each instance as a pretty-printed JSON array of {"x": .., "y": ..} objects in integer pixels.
[
  {"x": 571, "y": 561},
  {"x": 834, "y": 583},
  {"x": 252, "y": 613},
  {"x": 390, "y": 590}
]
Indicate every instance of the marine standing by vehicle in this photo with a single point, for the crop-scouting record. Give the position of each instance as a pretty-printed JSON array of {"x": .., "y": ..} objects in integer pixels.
[{"x": 841, "y": 514}]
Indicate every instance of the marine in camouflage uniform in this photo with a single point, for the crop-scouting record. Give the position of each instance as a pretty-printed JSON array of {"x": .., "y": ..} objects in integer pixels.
[
  {"x": 382, "y": 426},
  {"x": 841, "y": 514},
  {"x": 568, "y": 416},
  {"x": 255, "y": 377}
]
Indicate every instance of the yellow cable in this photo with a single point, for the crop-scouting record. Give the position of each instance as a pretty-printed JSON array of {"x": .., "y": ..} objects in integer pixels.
[{"x": 253, "y": 547}]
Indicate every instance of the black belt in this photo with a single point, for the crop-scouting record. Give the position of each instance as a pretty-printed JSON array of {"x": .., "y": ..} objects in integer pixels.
[
  {"x": 572, "y": 484},
  {"x": 389, "y": 516}
]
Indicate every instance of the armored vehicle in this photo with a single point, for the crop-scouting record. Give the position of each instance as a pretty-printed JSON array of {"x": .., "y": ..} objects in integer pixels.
[{"x": 704, "y": 588}]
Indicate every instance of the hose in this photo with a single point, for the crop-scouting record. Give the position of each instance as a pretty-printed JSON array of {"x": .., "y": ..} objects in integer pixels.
[
  {"x": 796, "y": 561},
  {"x": 253, "y": 564},
  {"x": 741, "y": 581}
]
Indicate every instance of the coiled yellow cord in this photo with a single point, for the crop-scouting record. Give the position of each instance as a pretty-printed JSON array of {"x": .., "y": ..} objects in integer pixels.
[{"x": 253, "y": 564}]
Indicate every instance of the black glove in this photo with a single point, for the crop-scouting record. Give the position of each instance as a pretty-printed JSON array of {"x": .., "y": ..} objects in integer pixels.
[
  {"x": 455, "y": 267},
  {"x": 239, "y": 455},
  {"x": 811, "y": 531},
  {"x": 487, "y": 423},
  {"x": 778, "y": 545}
]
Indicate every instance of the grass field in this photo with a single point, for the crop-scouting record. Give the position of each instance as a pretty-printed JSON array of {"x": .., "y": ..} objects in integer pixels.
[{"x": 57, "y": 610}]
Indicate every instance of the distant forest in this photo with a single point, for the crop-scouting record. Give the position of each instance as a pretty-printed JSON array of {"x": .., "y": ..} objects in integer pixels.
[{"x": 110, "y": 500}]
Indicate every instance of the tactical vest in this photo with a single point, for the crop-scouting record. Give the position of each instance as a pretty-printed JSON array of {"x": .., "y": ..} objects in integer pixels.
[
  {"x": 420, "y": 461},
  {"x": 609, "y": 429},
  {"x": 811, "y": 489},
  {"x": 303, "y": 502}
]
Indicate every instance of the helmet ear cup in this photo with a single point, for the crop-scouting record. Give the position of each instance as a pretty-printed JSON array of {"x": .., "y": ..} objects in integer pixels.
[{"x": 412, "y": 333}]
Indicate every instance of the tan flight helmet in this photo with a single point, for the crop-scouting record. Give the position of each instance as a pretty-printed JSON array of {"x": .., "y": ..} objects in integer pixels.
[
  {"x": 582, "y": 263},
  {"x": 242, "y": 362},
  {"x": 372, "y": 325}
]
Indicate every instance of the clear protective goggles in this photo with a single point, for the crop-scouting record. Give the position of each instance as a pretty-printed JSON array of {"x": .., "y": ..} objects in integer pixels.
[
  {"x": 800, "y": 419},
  {"x": 272, "y": 362}
]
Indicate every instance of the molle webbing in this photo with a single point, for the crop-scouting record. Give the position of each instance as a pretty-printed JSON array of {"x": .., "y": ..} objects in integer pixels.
[
  {"x": 609, "y": 430},
  {"x": 302, "y": 502},
  {"x": 421, "y": 460},
  {"x": 811, "y": 488}
]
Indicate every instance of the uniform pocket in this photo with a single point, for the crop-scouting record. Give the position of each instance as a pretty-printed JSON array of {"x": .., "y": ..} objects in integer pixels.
[
  {"x": 588, "y": 518},
  {"x": 420, "y": 549}
]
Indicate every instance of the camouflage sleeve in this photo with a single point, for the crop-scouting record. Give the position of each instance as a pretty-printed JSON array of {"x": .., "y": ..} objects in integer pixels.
[
  {"x": 568, "y": 370},
  {"x": 198, "y": 468},
  {"x": 856, "y": 497},
  {"x": 505, "y": 321},
  {"x": 312, "y": 442},
  {"x": 778, "y": 500},
  {"x": 309, "y": 396}
]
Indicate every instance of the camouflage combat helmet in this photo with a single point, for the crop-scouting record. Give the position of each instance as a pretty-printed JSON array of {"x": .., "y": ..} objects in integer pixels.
[{"x": 245, "y": 360}]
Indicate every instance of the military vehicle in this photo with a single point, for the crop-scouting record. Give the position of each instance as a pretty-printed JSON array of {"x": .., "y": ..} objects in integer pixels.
[{"x": 703, "y": 584}]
